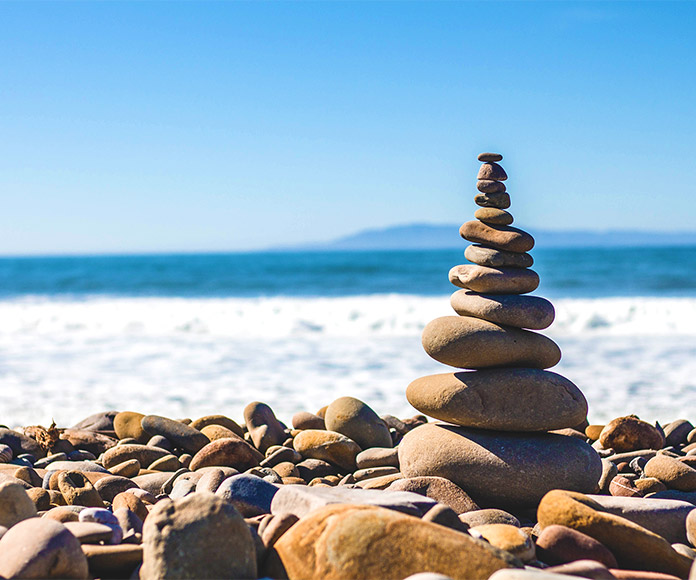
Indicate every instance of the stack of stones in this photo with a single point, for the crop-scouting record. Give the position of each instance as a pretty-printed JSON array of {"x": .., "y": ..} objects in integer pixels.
[{"x": 496, "y": 443}]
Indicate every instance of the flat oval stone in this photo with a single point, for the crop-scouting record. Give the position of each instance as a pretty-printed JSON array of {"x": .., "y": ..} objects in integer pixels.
[
  {"x": 499, "y": 200},
  {"x": 500, "y": 468},
  {"x": 490, "y": 186},
  {"x": 493, "y": 215},
  {"x": 229, "y": 452},
  {"x": 184, "y": 436},
  {"x": 506, "y": 238},
  {"x": 633, "y": 546},
  {"x": 673, "y": 473},
  {"x": 327, "y": 446},
  {"x": 561, "y": 544},
  {"x": 484, "y": 256},
  {"x": 471, "y": 343},
  {"x": 41, "y": 548},
  {"x": 494, "y": 280},
  {"x": 516, "y": 399},
  {"x": 347, "y": 541},
  {"x": 438, "y": 488},
  {"x": 250, "y": 495},
  {"x": 377, "y": 457},
  {"x": 490, "y": 157},
  {"x": 488, "y": 516},
  {"x": 221, "y": 420},
  {"x": 531, "y": 312},
  {"x": 491, "y": 170},
  {"x": 357, "y": 420},
  {"x": 109, "y": 487},
  {"x": 306, "y": 420},
  {"x": 143, "y": 453}
]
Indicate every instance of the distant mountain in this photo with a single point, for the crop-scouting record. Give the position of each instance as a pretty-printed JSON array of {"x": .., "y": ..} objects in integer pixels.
[{"x": 431, "y": 236}]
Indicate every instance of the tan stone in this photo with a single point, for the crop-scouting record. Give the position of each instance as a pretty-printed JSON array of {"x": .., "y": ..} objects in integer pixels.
[
  {"x": 531, "y": 312},
  {"x": 484, "y": 256},
  {"x": 494, "y": 280},
  {"x": 630, "y": 434},
  {"x": 494, "y": 216},
  {"x": 356, "y": 420},
  {"x": 345, "y": 542},
  {"x": 498, "y": 200},
  {"x": 230, "y": 452},
  {"x": 516, "y": 399},
  {"x": 491, "y": 170},
  {"x": 507, "y": 238},
  {"x": 507, "y": 537},
  {"x": 472, "y": 343},
  {"x": 327, "y": 446},
  {"x": 127, "y": 424},
  {"x": 490, "y": 186},
  {"x": 635, "y": 547}
]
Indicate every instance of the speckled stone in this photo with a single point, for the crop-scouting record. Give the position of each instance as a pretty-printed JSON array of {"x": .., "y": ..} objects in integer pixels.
[
  {"x": 76, "y": 489},
  {"x": 507, "y": 537},
  {"x": 472, "y": 343},
  {"x": 629, "y": 434},
  {"x": 499, "y": 200},
  {"x": 491, "y": 170},
  {"x": 341, "y": 542},
  {"x": 490, "y": 186},
  {"x": 532, "y": 312}
]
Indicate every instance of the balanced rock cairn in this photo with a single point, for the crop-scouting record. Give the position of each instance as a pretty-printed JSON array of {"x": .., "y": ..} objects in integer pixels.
[{"x": 496, "y": 444}]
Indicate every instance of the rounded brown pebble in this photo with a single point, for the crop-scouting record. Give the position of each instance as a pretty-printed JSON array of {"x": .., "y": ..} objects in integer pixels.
[
  {"x": 356, "y": 420},
  {"x": 263, "y": 426},
  {"x": 490, "y": 186},
  {"x": 127, "y": 424},
  {"x": 507, "y": 238},
  {"x": 306, "y": 420},
  {"x": 143, "y": 453},
  {"x": 506, "y": 537},
  {"x": 621, "y": 486},
  {"x": 109, "y": 487},
  {"x": 494, "y": 216},
  {"x": 500, "y": 200},
  {"x": 40, "y": 497},
  {"x": 15, "y": 504},
  {"x": 493, "y": 171},
  {"x": 438, "y": 488},
  {"x": 471, "y": 343},
  {"x": 129, "y": 468},
  {"x": 561, "y": 544},
  {"x": 673, "y": 473},
  {"x": 630, "y": 434},
  {"x": 494, "y": 280},
  {"x": 335, "y": 448},
  {"x": 493, "y": 258},
  {"x": 221, "y": 420},
  {"x": 231, "y": 452},
  {"x": 131, "y": 502},
  {"x": 489, "y": 157},
  {"x": 531, "y": 312},
  {"x": 181, "y": 435}
]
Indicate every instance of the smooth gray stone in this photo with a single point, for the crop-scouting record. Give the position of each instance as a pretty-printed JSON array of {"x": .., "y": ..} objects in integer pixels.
[
  {"x": 666, "y": 517},
  {"x": 301, "y": 500}
]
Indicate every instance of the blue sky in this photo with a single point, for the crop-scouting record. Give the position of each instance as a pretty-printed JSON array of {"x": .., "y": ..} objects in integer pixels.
[{"x": 158, "y": 126}]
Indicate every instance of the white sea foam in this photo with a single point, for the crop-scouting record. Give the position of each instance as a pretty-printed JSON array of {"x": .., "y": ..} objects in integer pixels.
[{"x": 178, "y": 356}]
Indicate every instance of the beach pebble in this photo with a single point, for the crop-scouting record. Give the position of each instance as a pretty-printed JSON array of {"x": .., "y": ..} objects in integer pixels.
[
  {"x": 6, "y": 454},
  {"x": 472, "y": 343},
  {"x": 506, "y": 238},
  {"x": 498, "y": 200},
  {"x": 306, "y": 420},
  {"x": 634, "y": 546},
  {"x": 329, "y": 446},
  {"x": 498, "y": 217},
  {"x": 276, "y": 527},
  {"x": 309, "y": 548},
  {"x": 507, "y": 537},
  {"x": 166, "y": 463},
  {"x": 64, "y": 513},
  {"x": 490, "y": 157},
  {"x": 488, "y": 516},
  {"x": 131, "y": 502},
  {"x": 673, "y": 473},
  {"x": 280, "y": 454},
  {"x": 20, "y": 443},
  {"x": 103, "y": 421},
  {"x": 490, "y": 186},
  {"x": 143, "y": 453},
  {"x": 630, "y": 434},
  {"x": 129, "y": 468},
  {"x": 15, "y": 504},
  {"x": 490, "y": 257},
  {"x": 621, "y": 486},
  {"x": 29, "y": 475},
  {"x": 648, "y": 485},
  {"x": 444, "y": 515},
  {"x": 493, "y": 171},
  {"x": 76, "y": 489},
  {"x": 199, "y": 536},
  {"x": 582, "y": 569},
  {"x": 531, "y": 312},
  {"x": 110, "y": 486},
  {"x": 228, "y": 452},
  {"x": 41, "y": 548},
  {"x": 40, "y": 497},
  {"x": 380, "y": 482},
  {"x": 494, "y": 280},
  {"x": 183, "y": 436},
  {"x": 301, "y": 500},
  {"x": 356, "y": 420},
  {"x": 677, "y": 431},
  {"x": 94, "y": 443},
  {"x": 377, "y": 457},
  {"x": 515, "y": 399},
  {"x": 263, "y": 426},
  {"x": 215, "y": 432},
  {"x": 487, "y": 464},
  {"x": 113, "y": 561},
  {"x": 131, "y": 525},
  {"x": 250, "y": 495},
  {"x": 127, "y": 424},
  {"x": 311, "y": 468},
  {"x": 91, "y": 532},
  {"x": 221, "y": 420},
  {"x": 560, "y": 544}
]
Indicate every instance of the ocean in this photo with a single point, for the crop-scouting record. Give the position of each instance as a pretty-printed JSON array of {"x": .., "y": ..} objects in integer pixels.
[{"x": 193, "y": 334}]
